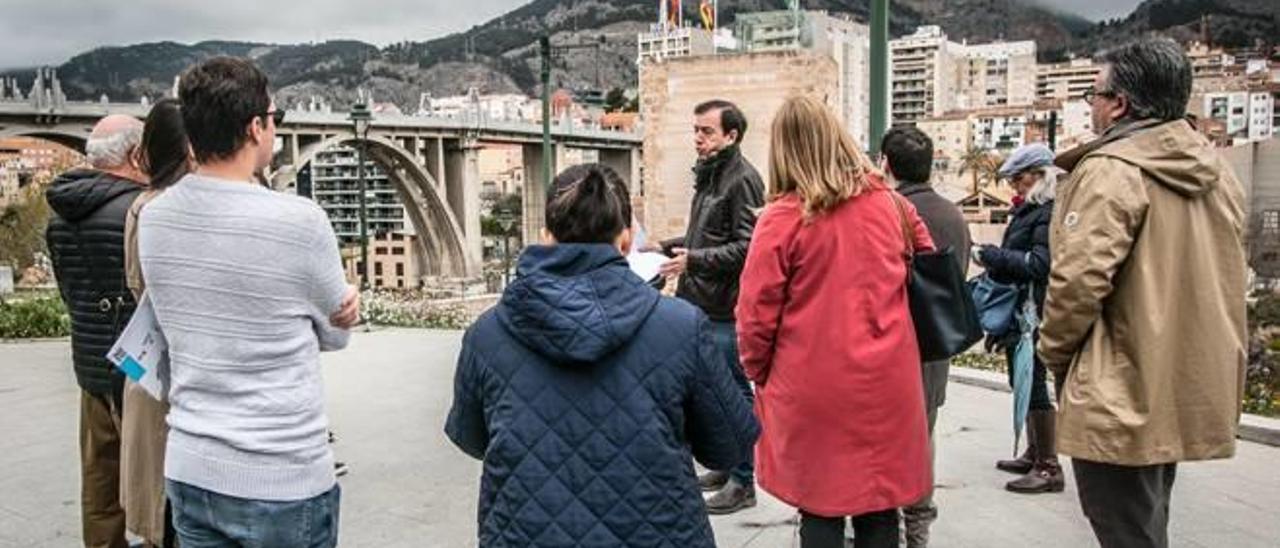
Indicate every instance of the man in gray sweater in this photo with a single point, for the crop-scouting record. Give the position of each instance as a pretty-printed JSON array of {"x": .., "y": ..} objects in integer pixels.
[
  {"x": 248, "y": 289},
  {"x": 908, "y": 162}
]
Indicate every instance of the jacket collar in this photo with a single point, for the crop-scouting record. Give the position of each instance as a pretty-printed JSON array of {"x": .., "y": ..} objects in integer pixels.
[
  {"x": 1123, "y": 130},
  {"x": 706, "y": 170},
  {"x": 908, "y": 189}
]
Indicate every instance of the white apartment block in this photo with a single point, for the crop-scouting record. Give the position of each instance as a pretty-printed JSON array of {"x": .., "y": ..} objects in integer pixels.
[
  {"x": 922, "y": 75},
  {"x": 1000, "y": 129},
  {"x": 1248, "y": 115},
  {"x": 994, "y": 75},
  {"x": 498, "y": 107},
  {"x": 932, "y": 75},
  {"x": 663, "y": 42},
  {"x": 1066, "y": 81}
]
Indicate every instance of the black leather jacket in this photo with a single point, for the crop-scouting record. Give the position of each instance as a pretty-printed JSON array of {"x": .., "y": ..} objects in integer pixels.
[
  {"x": 728, "y": 197},
  {"x": 86, "y": 243}
]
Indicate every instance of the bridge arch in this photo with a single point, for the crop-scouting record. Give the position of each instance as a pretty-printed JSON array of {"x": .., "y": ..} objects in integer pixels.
[
  {"x": 65, "y": 137},
  {"x": 440, "y": 236}
]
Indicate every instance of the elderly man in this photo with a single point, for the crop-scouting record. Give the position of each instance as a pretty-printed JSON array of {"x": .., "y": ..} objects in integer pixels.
[
  {"x": 1145, "y": 314},
  {"x": 86, "y": 241}
]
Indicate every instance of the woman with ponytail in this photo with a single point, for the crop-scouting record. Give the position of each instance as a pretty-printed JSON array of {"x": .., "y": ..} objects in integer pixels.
[{"x": 584, "y": 391}]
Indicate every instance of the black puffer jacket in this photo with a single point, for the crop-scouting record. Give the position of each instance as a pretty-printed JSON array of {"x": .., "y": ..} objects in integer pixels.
[
  {"x": 86, "y": 241},
  {"x": 1023, "y": 257},
  {"x": 728, "y": 195}
]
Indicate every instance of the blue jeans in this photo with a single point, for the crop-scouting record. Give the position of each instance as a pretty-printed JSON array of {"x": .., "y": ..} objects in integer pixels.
[
  {"x": 204, "y": 519},
  {"x": 725, "y": 337}
]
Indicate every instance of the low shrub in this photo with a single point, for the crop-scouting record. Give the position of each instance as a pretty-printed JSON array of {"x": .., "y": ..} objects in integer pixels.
[{"x": 34, "y": 318}]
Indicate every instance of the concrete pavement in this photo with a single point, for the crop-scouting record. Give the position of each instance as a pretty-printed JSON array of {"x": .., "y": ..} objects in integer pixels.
[{"x": 388, "y": 395}]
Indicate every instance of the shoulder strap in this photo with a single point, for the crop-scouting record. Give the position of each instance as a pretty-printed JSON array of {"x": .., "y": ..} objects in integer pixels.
[{"x": 908, "y": 233}]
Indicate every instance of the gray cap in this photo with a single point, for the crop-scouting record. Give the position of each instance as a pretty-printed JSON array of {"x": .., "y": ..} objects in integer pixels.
[{"x": 1026, "y": 157}]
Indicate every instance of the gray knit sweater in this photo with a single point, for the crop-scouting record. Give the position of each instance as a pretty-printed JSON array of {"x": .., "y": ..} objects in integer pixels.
[{"x": 243, "y": 281}]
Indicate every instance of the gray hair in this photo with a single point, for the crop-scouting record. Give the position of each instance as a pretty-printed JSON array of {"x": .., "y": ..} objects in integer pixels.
[
  {"x": 1046, "y": 189},
  {"x": 1154, "y": 74},
  {"x": 113, "y": 150}
]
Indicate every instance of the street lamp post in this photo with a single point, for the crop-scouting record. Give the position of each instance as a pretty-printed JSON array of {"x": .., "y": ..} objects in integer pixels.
[
  {"x": 361, "y": 118},
  {"x": 879, "y": 74},
  {"x": 507, "y": 220},
  {"x": 544, "y": 49}
]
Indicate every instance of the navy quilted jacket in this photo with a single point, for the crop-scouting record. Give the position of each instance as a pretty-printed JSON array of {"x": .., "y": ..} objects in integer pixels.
[{"x": 587, "y": 395}]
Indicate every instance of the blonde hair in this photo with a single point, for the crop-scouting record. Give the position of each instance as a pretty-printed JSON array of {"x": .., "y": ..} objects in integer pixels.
[{"x": 813, "y": 156}]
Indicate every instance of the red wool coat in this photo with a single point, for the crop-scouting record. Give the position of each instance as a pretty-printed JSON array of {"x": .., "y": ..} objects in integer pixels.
[{"x": 825, "y": 332}]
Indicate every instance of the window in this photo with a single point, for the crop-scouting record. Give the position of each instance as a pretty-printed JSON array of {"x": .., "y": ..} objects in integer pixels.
[
  {"x": 1271, "y": 222},
  {"x": 380, "y": 251},
  {"x": 397, "y": 251},
  {"x": 399, "y": 269},
  {"x": 377, "y": 269}
]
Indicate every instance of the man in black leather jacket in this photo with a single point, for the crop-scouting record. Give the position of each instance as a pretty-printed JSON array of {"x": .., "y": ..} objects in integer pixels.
[
  {"x": 709, "y": 259},
  {"x": 86, "y": 242}
]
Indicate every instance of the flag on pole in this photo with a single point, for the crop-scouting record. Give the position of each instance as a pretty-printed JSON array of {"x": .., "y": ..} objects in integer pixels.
[{"x": 708, "y": 15}]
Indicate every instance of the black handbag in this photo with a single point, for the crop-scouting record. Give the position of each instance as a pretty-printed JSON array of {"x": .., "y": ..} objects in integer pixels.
[{"x": 942, "y": 309}]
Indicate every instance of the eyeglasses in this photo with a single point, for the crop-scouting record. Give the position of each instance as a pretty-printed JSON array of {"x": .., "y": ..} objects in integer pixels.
[
  {"x": 277, "y": 116},
  {"x": 1092, "y": 94}
]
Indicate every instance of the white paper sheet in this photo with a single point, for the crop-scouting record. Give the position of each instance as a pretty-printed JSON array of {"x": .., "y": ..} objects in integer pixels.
[
  {"x": 142, "y": 353},
  {"x": 646, "y": 265}
]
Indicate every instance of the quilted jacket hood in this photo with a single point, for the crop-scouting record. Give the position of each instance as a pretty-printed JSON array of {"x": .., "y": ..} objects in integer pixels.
[
  {"x": 575, "y": 303},
  {"x": 77, "y": 194}
]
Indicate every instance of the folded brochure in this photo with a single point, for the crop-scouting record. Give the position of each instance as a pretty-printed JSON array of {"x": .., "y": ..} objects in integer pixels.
[{"x": 142, "y": 353}]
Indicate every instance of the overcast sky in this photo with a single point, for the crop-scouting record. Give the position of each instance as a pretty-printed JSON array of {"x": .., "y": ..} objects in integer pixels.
[{"x": 43, "y": 32}]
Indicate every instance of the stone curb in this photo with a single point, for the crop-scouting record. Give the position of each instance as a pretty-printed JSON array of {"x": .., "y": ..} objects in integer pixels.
[
  {"x": 1253, "y": 428},
  {"x": 35, "y": 340}
]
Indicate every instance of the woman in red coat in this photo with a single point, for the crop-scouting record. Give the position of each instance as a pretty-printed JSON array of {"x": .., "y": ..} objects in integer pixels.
[{"x": 825, "y": 333}]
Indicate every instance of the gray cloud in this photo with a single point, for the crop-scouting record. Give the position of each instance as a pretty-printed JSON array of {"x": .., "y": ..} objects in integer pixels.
[
  {"x": 1094, "y": 10},
  {"x": 39, "y": 32}
]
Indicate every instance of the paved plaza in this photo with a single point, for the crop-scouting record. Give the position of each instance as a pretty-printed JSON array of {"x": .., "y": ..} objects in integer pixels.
[{"x": 388, "y": 395}]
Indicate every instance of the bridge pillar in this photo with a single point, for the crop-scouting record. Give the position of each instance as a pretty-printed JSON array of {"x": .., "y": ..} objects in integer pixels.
[
  {"x": 295, "y": 154},
  {"x": 434, "y": 161},
  {"x": 462, "y": 189},
  {"x": 417, "y": 150},
  {"x": 627, "y": 163},
  {"x": 534, "y": 200}
]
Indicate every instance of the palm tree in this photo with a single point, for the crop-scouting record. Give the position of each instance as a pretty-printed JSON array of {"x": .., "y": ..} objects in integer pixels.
[{"x": 982, "y": 167}]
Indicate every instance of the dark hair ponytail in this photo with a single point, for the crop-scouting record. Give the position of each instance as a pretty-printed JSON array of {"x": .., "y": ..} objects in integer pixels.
[
  {"x": 164, "y": 145},
  {"x": 590, "y": 204}
]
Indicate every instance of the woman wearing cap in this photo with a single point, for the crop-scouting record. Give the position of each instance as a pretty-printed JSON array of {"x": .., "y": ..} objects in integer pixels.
[{"x": 1023, "y": 260}]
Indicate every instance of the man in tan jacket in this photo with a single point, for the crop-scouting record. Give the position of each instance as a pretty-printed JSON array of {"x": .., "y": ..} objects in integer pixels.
[{"x": 1144, "y": 324}]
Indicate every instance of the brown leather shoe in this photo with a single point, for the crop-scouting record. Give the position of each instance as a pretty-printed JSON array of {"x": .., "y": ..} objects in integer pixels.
[
  {"x": 1020, "y": 465},
  {"x": 733, "y": 497},
  {"x": 713, "y": 480},
  {"x": 1045, "y": 477}
]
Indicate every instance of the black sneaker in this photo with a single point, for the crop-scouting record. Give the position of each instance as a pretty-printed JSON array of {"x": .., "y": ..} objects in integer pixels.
[
  {"x": 713, "y": 481},
  {"x": 339, "y": 468},
  {"x": 732, "y": 498}
]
